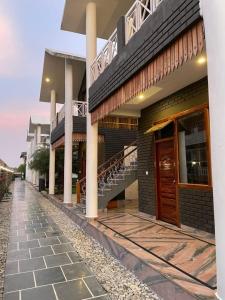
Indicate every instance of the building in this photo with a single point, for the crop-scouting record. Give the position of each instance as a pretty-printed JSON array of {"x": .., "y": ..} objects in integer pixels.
[
  {"x": 64, "y": 84},
  {"x": 37, "y": 138},
  {"x": 161, "y": 64}
]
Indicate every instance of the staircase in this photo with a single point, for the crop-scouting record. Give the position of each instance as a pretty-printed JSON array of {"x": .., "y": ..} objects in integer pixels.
[{"x": 114, "y": 176}]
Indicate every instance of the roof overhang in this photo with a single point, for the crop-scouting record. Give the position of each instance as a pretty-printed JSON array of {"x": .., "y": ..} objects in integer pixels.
[
  {"x": 53, "y": 77},
  {"x": 108, "y": 14},
  {"x": 38, "y": 121}
]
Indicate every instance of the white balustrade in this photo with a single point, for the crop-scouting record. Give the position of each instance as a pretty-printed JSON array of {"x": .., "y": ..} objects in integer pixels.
[
  {"x": 138, "y": 14},
  {"x": 134, "y": 19},
  {"x": 42, "y": 146},
  {"x": 61, "y": 114},
  {"x": 79, "y": 108},
  {"x": 105, "y": 57}
]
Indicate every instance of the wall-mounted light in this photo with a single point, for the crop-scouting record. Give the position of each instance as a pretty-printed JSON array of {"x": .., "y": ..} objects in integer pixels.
[{"x": 47, "y": 79}]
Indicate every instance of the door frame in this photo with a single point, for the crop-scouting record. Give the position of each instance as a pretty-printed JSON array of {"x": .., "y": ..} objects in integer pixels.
[{"x": 156, "y": 142}]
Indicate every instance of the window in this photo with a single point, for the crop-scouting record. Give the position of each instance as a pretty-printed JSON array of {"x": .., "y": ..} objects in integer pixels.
[
  {"x": 165, "y": 132},
  {"x": 193, "y": 148}
]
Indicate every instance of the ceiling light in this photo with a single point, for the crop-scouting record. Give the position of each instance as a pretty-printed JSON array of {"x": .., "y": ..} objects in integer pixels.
[
  {"x": 201, "y": 60},
  {"x": 47, "y": 79},
  {"x": 141, "y": 97}
]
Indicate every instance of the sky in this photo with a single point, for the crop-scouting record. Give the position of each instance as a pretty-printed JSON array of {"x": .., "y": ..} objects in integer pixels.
[{"x": 27, "y": 27}]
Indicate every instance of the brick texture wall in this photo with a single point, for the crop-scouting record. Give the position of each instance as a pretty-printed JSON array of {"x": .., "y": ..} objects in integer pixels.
[{"x": 196, "y": 206}]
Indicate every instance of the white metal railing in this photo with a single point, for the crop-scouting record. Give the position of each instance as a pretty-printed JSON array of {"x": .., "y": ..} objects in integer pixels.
[
  {"x": 61, "y": 114},
  {"x": 105, "y": 57},
  {"x": 138, "y": 14},
  {"x": 79, "y": 108},
  {"x": 42, "y": 146},
  {"x": 54, "y": 123},
  {"x": 134, "y": 19}
]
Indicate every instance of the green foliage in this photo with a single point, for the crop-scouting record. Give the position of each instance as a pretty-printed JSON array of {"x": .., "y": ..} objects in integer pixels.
[
  {"x": 40, "y": 161},
  {"x": 22, "y": 168}
]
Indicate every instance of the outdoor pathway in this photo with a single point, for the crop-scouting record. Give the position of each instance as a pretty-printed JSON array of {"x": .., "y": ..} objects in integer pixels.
[{"x": 42, "y": 263}]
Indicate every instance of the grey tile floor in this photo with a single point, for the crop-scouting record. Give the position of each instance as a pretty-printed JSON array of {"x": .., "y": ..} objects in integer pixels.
[{"x": 42, "y": 263}]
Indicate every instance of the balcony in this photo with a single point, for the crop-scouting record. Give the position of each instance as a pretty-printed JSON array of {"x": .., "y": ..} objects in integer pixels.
[
  {"x": 140, "y": 11},
  {"x": 44, "y": 145},
  {"x": 79, "y": 110}
]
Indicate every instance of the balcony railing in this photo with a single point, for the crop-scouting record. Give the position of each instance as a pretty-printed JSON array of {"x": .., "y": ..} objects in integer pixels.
[
  {"x": 138, "y": 14},
  {"x": 134, "y": 19},
  {"x": 79, "y": 110},
  {"x": 42, "y": 146},
  {"x": 105, "y": 57}
]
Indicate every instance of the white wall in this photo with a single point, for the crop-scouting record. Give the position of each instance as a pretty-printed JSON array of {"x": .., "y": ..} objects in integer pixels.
[{"x": 214, "y": 19}]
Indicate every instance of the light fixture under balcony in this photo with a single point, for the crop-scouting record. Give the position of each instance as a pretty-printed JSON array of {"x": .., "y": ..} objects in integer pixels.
[
  {"x": 202, "y": 60},
  {"x": 47, "y": 79}
]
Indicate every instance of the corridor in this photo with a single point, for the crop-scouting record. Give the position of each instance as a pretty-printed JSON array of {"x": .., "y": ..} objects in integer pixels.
[{"x": 41, "y": 262}]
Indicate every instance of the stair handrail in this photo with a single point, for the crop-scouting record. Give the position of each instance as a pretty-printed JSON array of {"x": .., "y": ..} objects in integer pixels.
[{"x": 81, "y": 181}]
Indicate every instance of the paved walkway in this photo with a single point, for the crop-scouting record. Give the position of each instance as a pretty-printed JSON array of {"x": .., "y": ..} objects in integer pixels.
[{"x": 41, "y": 261}]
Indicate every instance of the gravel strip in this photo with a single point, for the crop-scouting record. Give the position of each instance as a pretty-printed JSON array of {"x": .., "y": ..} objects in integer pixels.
[
  {"x": 5, "y": 213},
  {"x": 120, "y": 283}
]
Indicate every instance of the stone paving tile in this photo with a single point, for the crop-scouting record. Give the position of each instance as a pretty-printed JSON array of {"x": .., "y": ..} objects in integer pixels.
[
  {"x": 33, "y": 236},
  {"x": 12, "y": 267},
  {"x": 41, "y": 251},
  {"x": 42, "y": 263},
  {"x": 31, "y": 264},
  {"x": 94, "y": 286},
  {"x": 74, "y": 256},
  {"x": 29, "y": 244},
  {"x": 62, "y": 248},
  {"x": 12, "y": 296},
  {"x": 19, "y": 254},
  {"x": 72, "y": 290},
  {"x": 54, "y": 233},
  {"x": 49, "y": 241},
  {"x": 19, "y": 281},
  {"x": 40, "y": 293},
  {"x": 75, "y": 271},
  {"x": 49, "y": 276},
  {"x": 57, "y": 260}
]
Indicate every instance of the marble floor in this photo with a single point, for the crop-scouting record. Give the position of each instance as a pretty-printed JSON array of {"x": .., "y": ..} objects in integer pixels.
[
  {"x": 194, "y": 256},
  {"x": 41, "y": 262}
]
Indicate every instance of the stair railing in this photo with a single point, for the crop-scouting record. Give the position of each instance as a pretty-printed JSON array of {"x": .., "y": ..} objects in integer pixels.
[{"x": 106, "y": 169}]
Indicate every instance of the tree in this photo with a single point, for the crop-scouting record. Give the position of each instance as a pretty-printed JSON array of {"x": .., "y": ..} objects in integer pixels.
[
  {"x": 22, "y": 169},
  {"x": 40, "y": 161}
]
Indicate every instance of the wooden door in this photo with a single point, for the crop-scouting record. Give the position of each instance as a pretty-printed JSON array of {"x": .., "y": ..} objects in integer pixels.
[{"x": 166, "y": 182}]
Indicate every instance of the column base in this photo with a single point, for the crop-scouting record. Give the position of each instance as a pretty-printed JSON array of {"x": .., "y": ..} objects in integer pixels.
[{"x": 68, "y": 204}]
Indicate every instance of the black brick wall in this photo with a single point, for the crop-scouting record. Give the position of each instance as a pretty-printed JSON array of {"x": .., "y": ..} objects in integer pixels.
[
  {"x": 196, "y": 209},
  {"x": 170, "y": 19},
  {"x": 115, "y": 139},
  {"x": 196, "y": 206}
]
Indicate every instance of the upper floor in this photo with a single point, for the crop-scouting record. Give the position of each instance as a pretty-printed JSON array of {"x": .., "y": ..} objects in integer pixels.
[{"x": 147, "y": 28}]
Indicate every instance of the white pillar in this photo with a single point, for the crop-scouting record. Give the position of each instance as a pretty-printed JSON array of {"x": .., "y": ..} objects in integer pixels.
[
  {"x": 68, "y": 154},
  {"x": 34, "y": 143},
  {"x": 92, "y": 130},
  {"x": 38, "y": 140},
  {"x": 214, "y": 20},
  {"x": 51, "y": 150}
]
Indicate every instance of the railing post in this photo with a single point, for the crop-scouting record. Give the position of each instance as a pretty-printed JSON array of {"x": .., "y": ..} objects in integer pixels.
[
  {"x": 121, "y": 34},
  {"x": 138, "y": 11}
]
